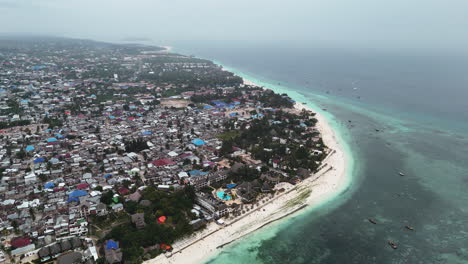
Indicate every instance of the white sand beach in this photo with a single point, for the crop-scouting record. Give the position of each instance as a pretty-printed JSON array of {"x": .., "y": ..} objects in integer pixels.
[{"x": 321, "y": 186}]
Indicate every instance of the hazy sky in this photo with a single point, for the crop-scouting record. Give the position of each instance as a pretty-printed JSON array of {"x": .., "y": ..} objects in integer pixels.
[{"x": 387, "y": 23}]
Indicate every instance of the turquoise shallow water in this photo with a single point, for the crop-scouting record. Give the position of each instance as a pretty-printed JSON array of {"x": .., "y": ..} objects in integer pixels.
[
  {"x": 432, "y": 197},
  {"x": 418, "y": 105}
]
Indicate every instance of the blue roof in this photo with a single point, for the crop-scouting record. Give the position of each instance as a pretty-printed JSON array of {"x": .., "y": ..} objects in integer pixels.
[
  {"x": 77, "y": 193},
  {"x": 29, "y": 148},
  {"x": 107, "y": 175},
  {"x": 49, "y": 185},
  {"x": 39, "y": 160},
  {"x": 197, "y": 172},
  {"x": 146, "y": 133},
  {"x": 198, "y": 142},
  {"x": 59, "y": 135},
  {"x": 230, "y": 186},
  {"x": 38, "y": 67},
  {"x": 51, "y": 139},
  {"x": 208, "y": 107},
  {"x": 233, "y": 114},
  {"x": 111, "y": 244},
  {"x": 257, "y": 116},
  {"x": 219, "y": 103},
  {"x": 75, "y": 199}
]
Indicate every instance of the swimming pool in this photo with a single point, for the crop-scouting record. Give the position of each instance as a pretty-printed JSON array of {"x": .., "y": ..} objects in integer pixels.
[{"x": 221, "y": 196}]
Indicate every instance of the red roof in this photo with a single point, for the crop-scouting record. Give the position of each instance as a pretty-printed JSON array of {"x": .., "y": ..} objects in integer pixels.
[
  {"x": 59, "y": 189},
  {"x": 162, "y": 162},
  {"x": 185, "y": 155},
  {"x": 124, "y": 191},
  {"x": 162, "y": 219},
  {"x": 82, "y": 186},
  {"x": 20, "y": 242},
  {"x": 165, "y": 247}
]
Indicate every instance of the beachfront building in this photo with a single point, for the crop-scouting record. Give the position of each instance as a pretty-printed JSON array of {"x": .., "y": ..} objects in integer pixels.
[{"x": 216, "y": 208}]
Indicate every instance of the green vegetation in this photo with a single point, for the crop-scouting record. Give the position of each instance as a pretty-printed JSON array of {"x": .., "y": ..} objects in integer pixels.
[
  {"x": 4, "y": 125},
  {"x": 275, "y": 100},
  {"x": 175, "y": 206},
  {"x": 13, "y": 108},
  {"x": 135, "y": 145},
  {"x": 229, "y": 135},
  {"x": 257, "y": 138},
  {"x": 53, "y": 122},
  {"x": 244, "y": 174}
]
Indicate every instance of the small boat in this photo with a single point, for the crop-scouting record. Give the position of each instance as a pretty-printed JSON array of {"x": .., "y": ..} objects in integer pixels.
[
  {"x": 372, "y": 221},
  {"x": 409, "y": 228},
  {"x": 401, "y": 173},
  {"x": 392, "y": 244},
  {"x": 377, "y": 130}
]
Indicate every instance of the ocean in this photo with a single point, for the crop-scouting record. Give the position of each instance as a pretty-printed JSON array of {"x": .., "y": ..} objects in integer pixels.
[{"x": 397, "y": 112}]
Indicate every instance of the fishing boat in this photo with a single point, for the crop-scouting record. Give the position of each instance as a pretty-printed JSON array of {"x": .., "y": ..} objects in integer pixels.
[
  {"x": 392, "y": 244},
  {"x": 409, "y": 228},
  {"x": 372, "y": 221},
  {"x": 401, "y": 173}
]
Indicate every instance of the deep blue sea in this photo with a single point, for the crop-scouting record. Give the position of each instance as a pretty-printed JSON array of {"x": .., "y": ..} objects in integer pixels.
[{"x": 418, "y": 103}]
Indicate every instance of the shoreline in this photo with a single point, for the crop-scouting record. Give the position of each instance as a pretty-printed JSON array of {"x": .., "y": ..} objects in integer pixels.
[{"x": 308, "y": 194}]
